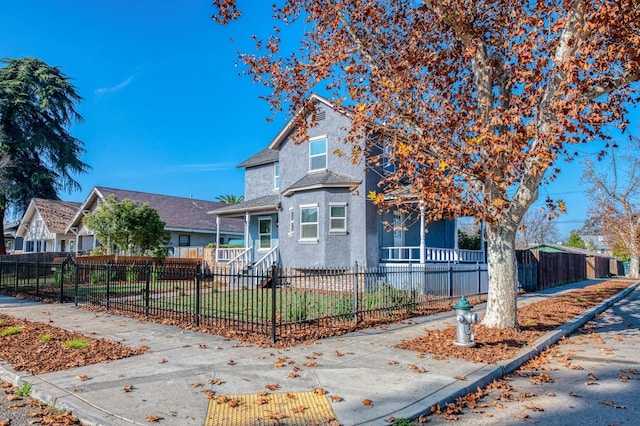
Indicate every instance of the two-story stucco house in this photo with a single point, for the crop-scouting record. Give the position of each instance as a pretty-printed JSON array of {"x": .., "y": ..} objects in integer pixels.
[{"x": 306, "y": 207}]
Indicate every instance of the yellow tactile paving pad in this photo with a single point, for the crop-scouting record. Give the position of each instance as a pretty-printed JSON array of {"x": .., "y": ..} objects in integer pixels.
[{"x": 295, "y": 408}]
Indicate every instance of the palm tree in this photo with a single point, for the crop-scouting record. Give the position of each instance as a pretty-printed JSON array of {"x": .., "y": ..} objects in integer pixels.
[
  {"x": 230, "y": 199},
  {"x": 37, "y": 105}
]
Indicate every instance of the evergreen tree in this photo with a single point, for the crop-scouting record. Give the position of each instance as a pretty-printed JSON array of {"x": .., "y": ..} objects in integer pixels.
[{"x": 37, "y": 105}]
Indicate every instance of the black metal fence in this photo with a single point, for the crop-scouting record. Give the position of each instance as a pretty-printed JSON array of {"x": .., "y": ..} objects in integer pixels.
[{"x": 281, "y": 303}]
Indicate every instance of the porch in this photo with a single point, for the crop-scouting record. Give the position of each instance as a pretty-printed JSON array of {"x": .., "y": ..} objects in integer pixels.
[{"x": 413, "y": 254}]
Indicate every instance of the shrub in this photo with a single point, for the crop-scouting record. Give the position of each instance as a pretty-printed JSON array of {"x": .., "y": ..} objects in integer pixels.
[
  {"x": 69, "y": 276},
  {"x": 75, "y": 344},
  {"x": 24, "y": 389},
  {"x": 10, "y": 331},
  {"x": 100, "y": 275},
  {"x": 132, "y": 274},
  {"x": 298, "y": 307},
  {"x": 344, "y": 305}
]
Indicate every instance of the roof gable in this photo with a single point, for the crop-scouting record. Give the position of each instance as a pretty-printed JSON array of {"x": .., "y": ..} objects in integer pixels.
[{"x": 55, "y": 214}]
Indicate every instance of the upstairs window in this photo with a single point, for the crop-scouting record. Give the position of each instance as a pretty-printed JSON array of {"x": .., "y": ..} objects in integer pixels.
[
  {"x": 276, "y": 176},
  {"x": 318, "y": 154}
]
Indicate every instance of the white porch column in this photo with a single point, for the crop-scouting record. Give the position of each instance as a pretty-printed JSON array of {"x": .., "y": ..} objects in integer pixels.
[
  {"x": 217, "y": 239},
  {"x": 246, "y": 230},
  {"x": 422, "y": 232},
  {"x": 456, "y": 243}
]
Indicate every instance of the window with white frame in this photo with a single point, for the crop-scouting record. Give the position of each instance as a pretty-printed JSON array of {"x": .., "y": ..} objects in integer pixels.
[
  {"x": 264, "y": 233},
  {"x": 338, "y": 217},
  {"x": 291, "y": 222},
  {"x": 309, "y": 223},
  {"x": 276, "y": 176},
  {"x": 318, "y": 154}
]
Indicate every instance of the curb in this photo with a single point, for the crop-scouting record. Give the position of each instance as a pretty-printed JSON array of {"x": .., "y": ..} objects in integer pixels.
[{"x": 489, "y": 373}]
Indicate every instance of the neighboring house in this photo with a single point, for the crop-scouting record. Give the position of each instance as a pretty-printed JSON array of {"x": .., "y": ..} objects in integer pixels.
[
  {"x": 12, "y": 244},
  {"x": 598, "y": 243},
  {"x": 555, "y": 248},
  {"x": 43, "y": 227},
  {"x": 305, "y": 207},
  {"x": 186, "y": 219}
]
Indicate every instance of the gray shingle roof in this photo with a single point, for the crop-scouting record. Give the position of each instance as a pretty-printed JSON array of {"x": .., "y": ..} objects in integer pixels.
[
  {"x": 178, "y": 212},
  {"x": 267, "y": 203},
  {"x": 265, "y": 156},
  {"x": 325, "y": 179}
]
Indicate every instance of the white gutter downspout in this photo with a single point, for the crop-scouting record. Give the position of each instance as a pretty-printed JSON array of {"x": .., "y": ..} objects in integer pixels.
[
  {"x": 422, "y": 232},
  {"x": 246, "y": 230},
  {"x": 217, "y": 239}
]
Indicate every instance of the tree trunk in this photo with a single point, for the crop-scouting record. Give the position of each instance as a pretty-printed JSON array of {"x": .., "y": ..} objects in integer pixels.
[
  {"x": 503, "y": 277},
  {"x": 633, "y": 268},
  {"x": 3, "y": 249}
]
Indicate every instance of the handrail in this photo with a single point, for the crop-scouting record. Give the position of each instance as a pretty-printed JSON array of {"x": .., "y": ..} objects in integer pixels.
[
  {"x": 261, "y": 266},
  {"x": 241, "y": 261}
]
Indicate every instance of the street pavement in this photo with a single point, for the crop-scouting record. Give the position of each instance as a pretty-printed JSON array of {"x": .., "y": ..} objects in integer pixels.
[
  {"x": 169, "y": 381},
  {"x": 594, "y": 379}
]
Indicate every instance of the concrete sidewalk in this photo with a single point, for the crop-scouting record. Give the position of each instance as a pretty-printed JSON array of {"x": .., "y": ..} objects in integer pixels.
[{"x": 356, "y": 366}]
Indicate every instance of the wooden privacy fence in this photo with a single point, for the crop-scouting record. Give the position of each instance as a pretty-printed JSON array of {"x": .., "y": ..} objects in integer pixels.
[{"x": 539, "y": 269}]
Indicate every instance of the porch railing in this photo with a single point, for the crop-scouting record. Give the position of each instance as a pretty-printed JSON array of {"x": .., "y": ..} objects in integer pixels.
[
  {"x": 263, "y": 265},
  {"x": 411, "y": 254},
  {"x": 241, "y": 261}
]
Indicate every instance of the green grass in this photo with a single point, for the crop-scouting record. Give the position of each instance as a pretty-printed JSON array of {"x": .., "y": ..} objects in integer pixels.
[
  {"x": 10, "y": 331},
  {"x": 580, "y": 299},
  {"x": 24, "y": 389},
  {"x": 2, "y": 323},
  {"x": 46, "y": 338},
  {"x": 291, "y": 305},
  {"x": 75, "y": 344}
]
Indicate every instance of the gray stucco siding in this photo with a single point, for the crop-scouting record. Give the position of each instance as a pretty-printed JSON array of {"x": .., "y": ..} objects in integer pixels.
[
  {"x": 294, "y": 158},
  {"x": 331, "y": 249},
  {"x": 259, "y": 181}
]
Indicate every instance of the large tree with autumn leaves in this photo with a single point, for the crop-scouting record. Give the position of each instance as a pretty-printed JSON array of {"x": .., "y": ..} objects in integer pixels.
[{"x": 477, "y": 99}]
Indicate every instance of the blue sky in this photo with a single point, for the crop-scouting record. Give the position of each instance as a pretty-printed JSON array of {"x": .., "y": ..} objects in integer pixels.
[{"x": 165, "y": 110}]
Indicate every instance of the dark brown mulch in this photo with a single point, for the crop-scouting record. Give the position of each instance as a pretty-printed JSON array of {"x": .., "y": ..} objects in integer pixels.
[
  {"x": 493, "y": 345},
  {"x": 29, "y": 349}
]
